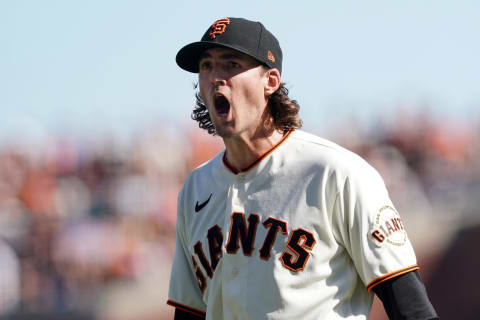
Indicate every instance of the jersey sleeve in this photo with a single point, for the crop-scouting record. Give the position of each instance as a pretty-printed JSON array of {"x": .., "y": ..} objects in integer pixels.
[
  {"x": 184, "y": 292},
  {"x": 369, "y": 227}
]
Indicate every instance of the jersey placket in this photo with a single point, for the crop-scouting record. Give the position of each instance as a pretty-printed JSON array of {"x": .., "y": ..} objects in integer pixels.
[{"x": 235, "y": 265}]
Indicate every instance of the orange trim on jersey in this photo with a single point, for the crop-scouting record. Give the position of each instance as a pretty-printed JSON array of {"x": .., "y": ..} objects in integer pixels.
[
  {"x": 391, "y": 275},
  {"x": 260, "y": 158},
  {"x": 188, "y": 309}
]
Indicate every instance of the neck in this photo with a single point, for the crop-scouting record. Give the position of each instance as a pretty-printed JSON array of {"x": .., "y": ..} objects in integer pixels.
[{"x": 243, "y": 150}]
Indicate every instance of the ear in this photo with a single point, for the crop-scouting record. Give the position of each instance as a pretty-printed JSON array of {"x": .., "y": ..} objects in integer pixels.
[{"x": 272, "y": 81}]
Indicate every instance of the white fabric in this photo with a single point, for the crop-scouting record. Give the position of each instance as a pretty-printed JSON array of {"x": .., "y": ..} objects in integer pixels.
[{"x": 313, "y": 185}]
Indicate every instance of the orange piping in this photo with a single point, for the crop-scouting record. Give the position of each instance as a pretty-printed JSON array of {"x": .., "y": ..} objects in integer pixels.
[
  {"x": 186, "y": 308},
  {"x": 256, "y": 161},
  {"x": 391, "y": 275}
]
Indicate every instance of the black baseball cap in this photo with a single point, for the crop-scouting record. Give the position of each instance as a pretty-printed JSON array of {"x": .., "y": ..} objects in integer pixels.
[{"x": 243, "y": 35}]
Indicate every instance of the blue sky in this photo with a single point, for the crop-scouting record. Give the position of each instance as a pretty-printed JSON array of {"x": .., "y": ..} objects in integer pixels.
[{"x": 79, "y": 67}]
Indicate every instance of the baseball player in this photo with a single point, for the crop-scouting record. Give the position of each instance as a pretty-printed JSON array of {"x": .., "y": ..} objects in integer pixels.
[{"x": 282, "y": 224}]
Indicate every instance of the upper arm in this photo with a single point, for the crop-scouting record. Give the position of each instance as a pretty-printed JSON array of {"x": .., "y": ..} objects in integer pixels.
[
  {"x": 184, "y": 288},
  {"x": 371, "y": 230},
  {"x": 367, "y": 224}
]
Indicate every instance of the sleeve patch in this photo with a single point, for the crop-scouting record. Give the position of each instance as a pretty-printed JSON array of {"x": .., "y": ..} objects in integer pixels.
[{"x": 388, "y": 227}]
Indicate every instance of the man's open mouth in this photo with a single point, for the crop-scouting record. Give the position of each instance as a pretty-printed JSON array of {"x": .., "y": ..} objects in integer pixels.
[{"x": 222, "y": 106}]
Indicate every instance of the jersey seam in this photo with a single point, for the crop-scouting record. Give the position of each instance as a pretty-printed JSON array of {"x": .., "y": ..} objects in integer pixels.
[
  {"x": 333, "y": 218},
  {"x": 183, "y": 221}
]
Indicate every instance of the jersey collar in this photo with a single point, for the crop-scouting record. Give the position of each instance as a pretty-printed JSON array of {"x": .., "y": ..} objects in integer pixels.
[{"x": 256, "y": 161}]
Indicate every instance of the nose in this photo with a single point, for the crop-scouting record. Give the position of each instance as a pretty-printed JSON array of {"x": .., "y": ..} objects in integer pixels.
[
  {"x": 217, "y": 78},
  {"x": 218, "y": 82}
]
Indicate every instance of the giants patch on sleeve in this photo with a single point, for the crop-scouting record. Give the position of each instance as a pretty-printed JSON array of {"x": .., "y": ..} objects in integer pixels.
[{"x": 388, "y": 227}]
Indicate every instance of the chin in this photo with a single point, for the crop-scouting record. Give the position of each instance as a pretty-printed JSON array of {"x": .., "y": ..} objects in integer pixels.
[
  {"x": 223, "y": 129},
  {"x": 225, "y": 133}
]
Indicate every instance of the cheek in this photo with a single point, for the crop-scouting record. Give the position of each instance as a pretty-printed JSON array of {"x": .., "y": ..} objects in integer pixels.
[
  {"x": 253, "y": 93},
  {"x": 203, "y": 91}
]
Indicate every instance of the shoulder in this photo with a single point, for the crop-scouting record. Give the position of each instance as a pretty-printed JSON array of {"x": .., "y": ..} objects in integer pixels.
[
  {"x": 207, "y": 168},
  {"x": 329, "y": 154},
  {"x": 199, "y": 178},
  {"x": 315, "y": 144}
]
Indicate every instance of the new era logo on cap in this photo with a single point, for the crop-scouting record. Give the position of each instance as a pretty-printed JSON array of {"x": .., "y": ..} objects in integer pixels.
[
  {"x": 239, "y": 34},
  {"x": 270, "y": 56}
]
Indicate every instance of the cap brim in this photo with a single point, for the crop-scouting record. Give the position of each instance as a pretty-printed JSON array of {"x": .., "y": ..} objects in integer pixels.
[{"x": 187, "y": 58}]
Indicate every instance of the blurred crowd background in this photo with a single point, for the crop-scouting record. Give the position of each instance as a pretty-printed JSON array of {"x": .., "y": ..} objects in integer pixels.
[
  {"x": 87, "y": 228},
  {"x": 89, "y": 178}
]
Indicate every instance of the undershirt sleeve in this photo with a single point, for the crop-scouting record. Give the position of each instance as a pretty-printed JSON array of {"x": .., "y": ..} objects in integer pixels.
[
  {"x": 184, "y": 315},
  {"x": 405, "y": 297}
]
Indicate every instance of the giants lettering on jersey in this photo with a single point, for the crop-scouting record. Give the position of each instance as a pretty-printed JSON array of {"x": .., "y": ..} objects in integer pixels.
[
  {"x": 389, "y": 226},
  {"x": 242, "y": 234}
]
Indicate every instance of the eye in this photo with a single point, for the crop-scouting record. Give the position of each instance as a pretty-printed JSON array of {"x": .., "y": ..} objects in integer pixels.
[
  {"x": 233, "y": 64},
  {"x": 205, "y": 65}
]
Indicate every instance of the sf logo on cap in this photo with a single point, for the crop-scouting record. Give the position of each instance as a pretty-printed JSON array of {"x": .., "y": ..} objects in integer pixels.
[{"x": 218, "y": 27}]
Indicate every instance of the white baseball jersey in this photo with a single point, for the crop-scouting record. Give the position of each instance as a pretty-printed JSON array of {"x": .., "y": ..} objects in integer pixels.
[{"x": 304, "y": 232}]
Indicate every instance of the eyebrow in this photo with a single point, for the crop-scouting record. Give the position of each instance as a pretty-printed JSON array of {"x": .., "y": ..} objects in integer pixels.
[
  {"x": 227, "y": 55},
  {"x": 230, "y": 56},
  {"x": 204, "y": 55}
]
